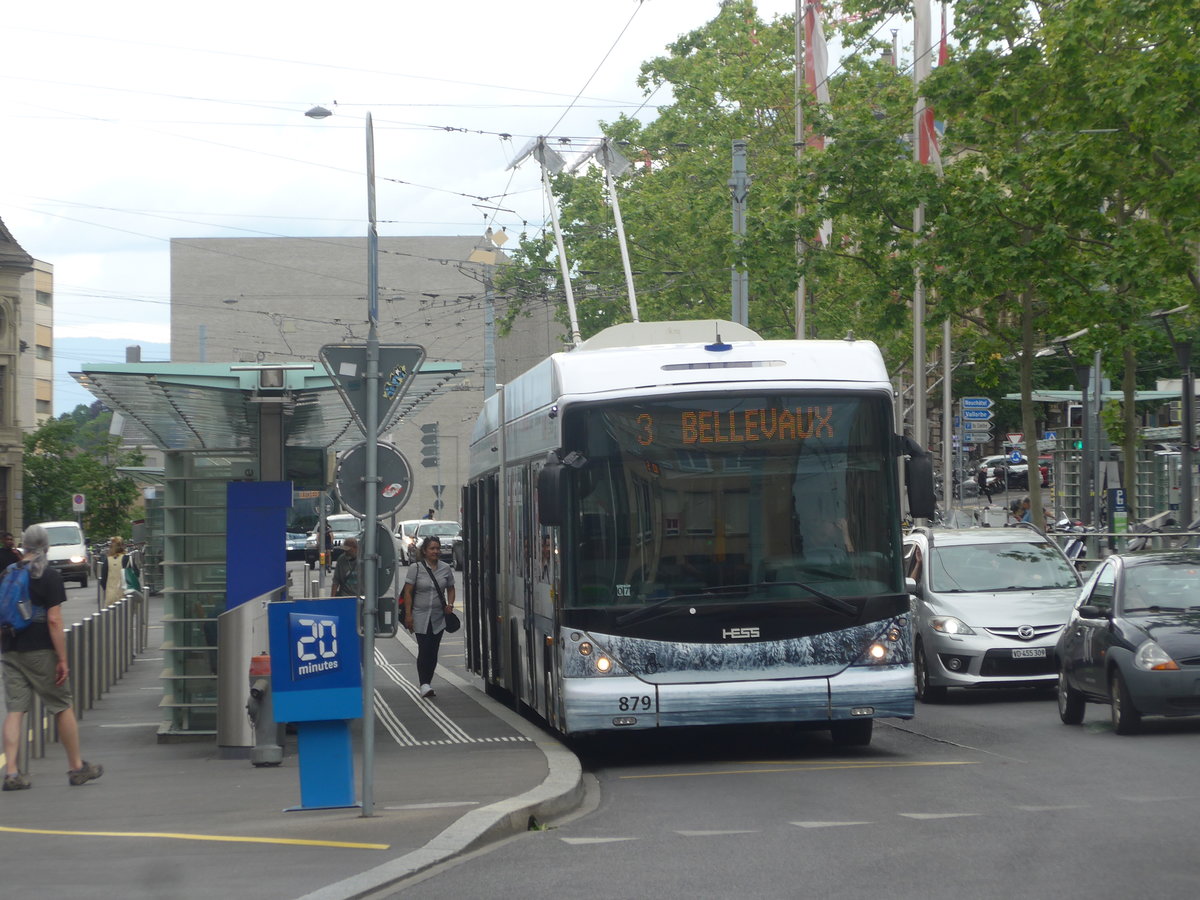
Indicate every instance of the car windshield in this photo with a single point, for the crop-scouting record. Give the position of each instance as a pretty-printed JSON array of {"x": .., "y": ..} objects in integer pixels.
[
  {"x": 1150, "y": 589},
  {"x": 1017, "y": 566},
  {"x": 64, "y": 535},
  {"x": 441, "y": 529}
]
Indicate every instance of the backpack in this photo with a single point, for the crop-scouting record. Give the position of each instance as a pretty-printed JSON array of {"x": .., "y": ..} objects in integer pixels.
[{"x": 16, "y": 606}]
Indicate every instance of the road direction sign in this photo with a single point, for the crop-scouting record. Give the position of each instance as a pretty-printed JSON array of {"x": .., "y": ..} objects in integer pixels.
[
  {"x": 977, "y": 402},
  {"x": 347, "y": 366},
  {"x": 395, "y": 479},
  {"x": 977, "y": 415},
  {"x": 978, "y": 425}
]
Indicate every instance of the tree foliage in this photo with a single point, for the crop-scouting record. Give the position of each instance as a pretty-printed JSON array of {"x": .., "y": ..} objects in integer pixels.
[
  {"x": 75, "y": 454},
  {"x": 1069, "y": 197}
]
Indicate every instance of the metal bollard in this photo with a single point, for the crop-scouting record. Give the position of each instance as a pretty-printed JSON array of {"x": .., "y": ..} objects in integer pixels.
[
  {"x": 91, "y": 667},
  {"x": 71, "y": 634}
]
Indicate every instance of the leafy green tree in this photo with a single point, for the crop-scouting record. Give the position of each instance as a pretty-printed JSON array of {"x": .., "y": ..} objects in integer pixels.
[{"x": 74, "y": 454}]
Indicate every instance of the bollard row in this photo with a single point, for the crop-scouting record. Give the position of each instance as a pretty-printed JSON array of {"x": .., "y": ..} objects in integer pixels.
[{"x": 100, "y": 650}]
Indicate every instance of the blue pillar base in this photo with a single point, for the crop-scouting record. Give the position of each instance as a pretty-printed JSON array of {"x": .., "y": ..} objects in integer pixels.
[{"x": 326, "y": 765}]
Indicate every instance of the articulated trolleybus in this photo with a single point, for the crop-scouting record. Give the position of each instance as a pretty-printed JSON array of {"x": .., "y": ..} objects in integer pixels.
[{"x": 682, "y": 524}]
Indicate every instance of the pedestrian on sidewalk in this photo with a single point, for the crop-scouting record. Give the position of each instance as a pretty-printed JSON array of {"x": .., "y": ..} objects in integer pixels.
[
  {"x": 428, "y": 597},
  {"x": 984, "y": 485},
  {"x": 115, "y": 561},
  {"x": 345, "y": 570},
  {"x": 8, "y": 551},
  {"x": 34, "y": 661}
]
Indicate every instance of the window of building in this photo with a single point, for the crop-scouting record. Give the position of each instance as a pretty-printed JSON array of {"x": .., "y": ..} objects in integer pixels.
[
  {"x": 45, "y": 298},
  {"x": 44, "y": 408},
  {"x": 44, "y": 352}
]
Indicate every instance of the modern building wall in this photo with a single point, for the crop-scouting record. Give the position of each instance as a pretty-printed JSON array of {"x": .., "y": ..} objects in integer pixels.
[
  {"x": 275, "y": 300},
  {"x": 15, "y": 263}
]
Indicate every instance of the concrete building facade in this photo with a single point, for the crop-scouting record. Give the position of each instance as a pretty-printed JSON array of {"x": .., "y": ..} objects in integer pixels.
[
  {"x": 15, "y": 263},
  {"x": 277, "y": 300}
]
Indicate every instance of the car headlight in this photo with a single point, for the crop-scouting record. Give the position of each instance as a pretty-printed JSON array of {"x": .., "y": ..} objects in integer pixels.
[
  {"x": 77, "y": 559},
  {"x": 950, "y": 625},
  {"x": 1150, "y": 657}
]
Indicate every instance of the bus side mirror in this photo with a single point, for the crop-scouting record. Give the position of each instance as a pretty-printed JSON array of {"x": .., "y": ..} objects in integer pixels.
[
  {"x": 918, "y": 477},
  {"x": 551, "y": 487}
]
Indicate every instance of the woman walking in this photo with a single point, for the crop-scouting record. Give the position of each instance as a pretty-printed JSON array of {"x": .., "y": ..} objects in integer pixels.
[
  {"x": 428, "y": 595},
  {"x": 115, "y": 561}
]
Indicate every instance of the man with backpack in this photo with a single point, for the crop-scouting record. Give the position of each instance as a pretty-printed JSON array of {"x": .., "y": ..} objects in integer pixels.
[{"x": 34, "y": 661}]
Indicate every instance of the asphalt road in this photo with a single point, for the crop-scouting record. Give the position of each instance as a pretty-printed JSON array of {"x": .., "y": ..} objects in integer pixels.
[{"x": 988, "y": 795}]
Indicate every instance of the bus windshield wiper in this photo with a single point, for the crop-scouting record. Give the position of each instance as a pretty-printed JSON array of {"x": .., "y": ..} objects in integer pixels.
[
  {"x": 837, "y": 604},
  {"x": 827, "y": 600}
]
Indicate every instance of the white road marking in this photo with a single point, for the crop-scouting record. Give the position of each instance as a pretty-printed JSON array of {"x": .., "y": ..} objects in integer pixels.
[
  {"x": 719, "y": 833},
  {"x": 938, "y": 815},
  {"x": 1050, "y": 808},
  {"x": 597, "y": 840},
  {"x": 828, "y": 824}
]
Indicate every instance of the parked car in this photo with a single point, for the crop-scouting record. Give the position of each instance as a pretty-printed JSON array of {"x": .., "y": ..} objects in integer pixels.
[
  {"x": 988, "y": 605},
  {"x": 1133, "y": 640},
  {"x": 406, "y": 540},
  {"x": 295, "y": 543},
  {"x": 449, "y": 532},
  {"x": 68, "y": 551},
  {"x": 342, "y": 526}
]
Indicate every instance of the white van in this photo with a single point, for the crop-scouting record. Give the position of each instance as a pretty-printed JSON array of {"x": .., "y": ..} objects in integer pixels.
[{"x": 68, "y": 553}]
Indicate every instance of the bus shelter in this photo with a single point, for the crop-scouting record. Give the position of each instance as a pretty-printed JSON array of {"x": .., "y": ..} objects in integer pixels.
[{"x": 218, "y": 424}]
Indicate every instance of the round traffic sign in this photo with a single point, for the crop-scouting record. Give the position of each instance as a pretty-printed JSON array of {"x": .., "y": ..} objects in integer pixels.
[{"x": 392, "y": 470}]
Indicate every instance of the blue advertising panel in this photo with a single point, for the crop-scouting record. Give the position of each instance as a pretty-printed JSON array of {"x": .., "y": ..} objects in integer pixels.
[
  {"x": 255, "y": 551},
  {"x": 316, "y": 670}
]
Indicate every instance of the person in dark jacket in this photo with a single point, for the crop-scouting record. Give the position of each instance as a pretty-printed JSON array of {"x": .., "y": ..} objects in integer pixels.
[
  {"x": 34, "y": 661},
  {"x": 9, "y": 553}
]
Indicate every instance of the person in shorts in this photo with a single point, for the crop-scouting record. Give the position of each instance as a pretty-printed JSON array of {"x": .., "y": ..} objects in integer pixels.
[{"x": 34, "y": 661}]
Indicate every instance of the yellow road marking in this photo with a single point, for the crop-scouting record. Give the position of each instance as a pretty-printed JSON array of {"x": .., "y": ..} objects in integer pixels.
[
  {"x": 809, "y": 767},
  {"x": 234, "y": 839}
]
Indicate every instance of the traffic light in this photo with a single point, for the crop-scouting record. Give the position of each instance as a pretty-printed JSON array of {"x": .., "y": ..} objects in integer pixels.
[
  {"x": 1074, "y": 415},
  {"x": 429, "y": 445}
]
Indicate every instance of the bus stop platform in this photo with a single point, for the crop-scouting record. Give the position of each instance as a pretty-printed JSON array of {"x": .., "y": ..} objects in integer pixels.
[{"x": 451, "y": 774}]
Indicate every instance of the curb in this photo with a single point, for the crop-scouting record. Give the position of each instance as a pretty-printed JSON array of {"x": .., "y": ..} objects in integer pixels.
[{"x": 561, "y": 792}]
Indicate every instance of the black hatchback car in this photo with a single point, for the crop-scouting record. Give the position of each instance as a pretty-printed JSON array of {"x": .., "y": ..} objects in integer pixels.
[{"x": 1133, "y": 640}]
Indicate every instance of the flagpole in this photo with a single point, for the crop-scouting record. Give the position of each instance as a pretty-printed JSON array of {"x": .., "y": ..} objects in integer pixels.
[
  {"x": 801, "y": 284},
  {"x": 920, "y": 71}
]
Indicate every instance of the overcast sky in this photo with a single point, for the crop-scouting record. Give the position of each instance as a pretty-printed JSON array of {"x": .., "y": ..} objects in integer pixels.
[{"x": 130, "y": 123}]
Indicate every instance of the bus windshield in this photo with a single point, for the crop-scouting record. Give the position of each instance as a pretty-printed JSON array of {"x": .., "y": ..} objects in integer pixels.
[{"x": 732, "y": 498}]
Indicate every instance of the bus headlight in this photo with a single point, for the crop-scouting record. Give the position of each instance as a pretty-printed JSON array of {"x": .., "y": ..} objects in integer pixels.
[{"x": 603, "y": 665}]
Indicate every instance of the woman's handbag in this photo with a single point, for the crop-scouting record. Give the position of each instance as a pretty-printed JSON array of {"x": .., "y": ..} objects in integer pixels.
[{"x": 132, "y": 581}]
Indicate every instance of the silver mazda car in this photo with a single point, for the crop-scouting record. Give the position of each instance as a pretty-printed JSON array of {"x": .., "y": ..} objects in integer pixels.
[{"x": 988, "y": 606}]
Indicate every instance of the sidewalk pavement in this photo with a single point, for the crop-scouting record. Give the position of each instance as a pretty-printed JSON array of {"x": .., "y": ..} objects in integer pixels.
[{"x": 177, "y": 820}]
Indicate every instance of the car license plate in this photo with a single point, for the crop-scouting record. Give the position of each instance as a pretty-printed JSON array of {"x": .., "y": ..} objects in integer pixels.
[{"x": 1029, "y": 653}]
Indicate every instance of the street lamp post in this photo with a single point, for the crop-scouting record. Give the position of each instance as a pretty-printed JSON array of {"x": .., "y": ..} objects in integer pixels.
[
  {"x": 369, "y": 561},
  {"x": 1183, "y": 355}
]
